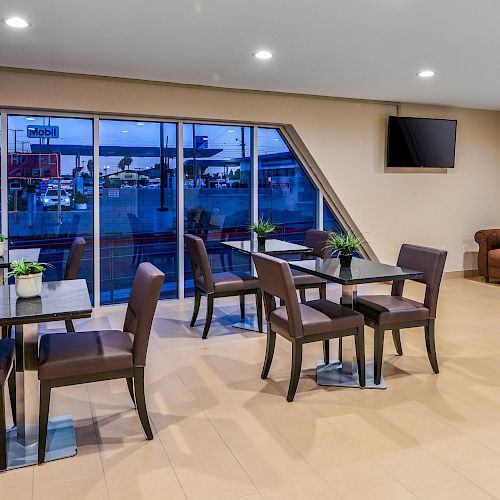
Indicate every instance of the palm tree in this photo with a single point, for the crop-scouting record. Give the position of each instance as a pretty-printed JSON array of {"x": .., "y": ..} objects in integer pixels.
[{"x": 124, "y": 163}]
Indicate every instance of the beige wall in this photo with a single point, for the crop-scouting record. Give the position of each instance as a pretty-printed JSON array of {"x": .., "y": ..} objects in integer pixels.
[{"x": 347, "y": 140}]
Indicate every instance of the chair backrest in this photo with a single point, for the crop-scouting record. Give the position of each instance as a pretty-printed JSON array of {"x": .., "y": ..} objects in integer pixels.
[
  {"x": 202, "y": 272},
  {"x": 141, "y": 308},
  {"x": 74, "y": 258},
  {"x": 429, "y": 261},
  {"x": 276, "y": 280},
  {"x": 318, "y": 241}
]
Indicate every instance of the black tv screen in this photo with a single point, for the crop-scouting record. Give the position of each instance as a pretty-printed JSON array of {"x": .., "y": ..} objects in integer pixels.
[{"x": 421, "y": 142}]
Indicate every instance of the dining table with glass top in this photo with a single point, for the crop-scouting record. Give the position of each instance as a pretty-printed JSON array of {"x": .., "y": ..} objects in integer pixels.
[
  {"x": 59, "y": 301},
  {"x": 343, "y": 372},
  {"x": 271, "y": 246}
]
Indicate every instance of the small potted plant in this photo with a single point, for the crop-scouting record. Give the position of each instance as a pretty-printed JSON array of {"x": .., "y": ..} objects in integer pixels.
[
  {"x": 343, "y": 246},
  {"x": 81, "y": 201},
  {"x": 3, "y": 239},
  {"x": 28, "y": 278},
  {"x": 262, "y": 228}
]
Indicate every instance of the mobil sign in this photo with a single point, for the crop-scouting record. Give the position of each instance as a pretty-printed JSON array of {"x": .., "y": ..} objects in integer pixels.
[
  {"x": 42, "y": 131},
  {"x": 34, "y": 165}
]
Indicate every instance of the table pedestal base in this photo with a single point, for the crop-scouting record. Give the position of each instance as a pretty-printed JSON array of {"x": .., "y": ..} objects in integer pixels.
[
  {"x": 61, "y": 443},
  {"x": 333, "y": 375},
  {"x": 250, "y": 323}
]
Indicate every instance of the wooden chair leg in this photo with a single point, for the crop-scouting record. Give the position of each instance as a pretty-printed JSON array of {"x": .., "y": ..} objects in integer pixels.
[
  {"x": 431, "y": 345},
  {"x": 43, "y": 419},
  {"x": 397, "y": 342},
  {"x": 322, "y": 291},
  {"x": 271, "y": 342},
  {"x": 141, "y": 401},
  {"x": 302, "y": 295},
  {"x": 242, "y": 307},
  {"x": 378, "y": 353},
  {"x": 359, "y": 340},
  {"x": 3, "y": 433},
  {"x": 295, "y": 371},
  {"x": 70, "y": 328},
  {"x": 210, "y": 312},
  {"x": 258, "y": 303},
  {"x": 130, "y": 385},
  {"x": 196, "y": 309},
  {"x": 12, "y": 393},
  {"x": 326, "y": 351}
]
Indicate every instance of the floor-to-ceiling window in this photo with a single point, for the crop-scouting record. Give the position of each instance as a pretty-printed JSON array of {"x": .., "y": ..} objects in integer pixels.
[
  {"x": 51, "y": 178},
  {"x": 217, "y": 192},
  {"x": 287, "y": 197},
  {"x": 137, "y": 198},
  {"x": 50, "y": 188}
]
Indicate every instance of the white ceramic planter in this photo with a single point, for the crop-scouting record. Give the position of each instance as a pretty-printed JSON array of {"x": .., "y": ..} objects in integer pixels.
[
  {"x": 29, "y": 286},
  {"x": 81, "y": 206},
  {"x": 2, "y": 248}
]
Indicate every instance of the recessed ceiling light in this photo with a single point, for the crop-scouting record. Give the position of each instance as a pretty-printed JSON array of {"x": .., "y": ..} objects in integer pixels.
[
  {"x": 140, "y": 124},
  {"x": 230, "y": 131},
  {"x": 125, "y": 131},
  {"x": 426, "y": 73},
  {"x": 263, "y": 54},
  {"x": 30, "y": 118},
  {"x": 16, "y": 22}
]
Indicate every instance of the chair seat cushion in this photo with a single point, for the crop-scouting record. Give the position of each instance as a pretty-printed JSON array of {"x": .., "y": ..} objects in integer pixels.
[
  {"x": 384, "y": 309},
  {"x": 319, "y": 316},
  {"x": 7, "y": 356},
  {"x": 231, "y": 282},
  {"x": 302, "y": 279},
  {"x": 83, "y": 353}
]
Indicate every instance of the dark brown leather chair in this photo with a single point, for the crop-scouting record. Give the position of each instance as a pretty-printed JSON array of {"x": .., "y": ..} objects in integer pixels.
[
  {"x": 72, "y": 266},
  {"x": 86, "y": 357},
  {"x": 318, "y": 241},
  {"x": 213, "y": 285},
  {"x": 488, "y": 258},
  {"x": 395, "y": 312},
  {"x": 7, "y": 372},
  {"x": 302, "y": 323}
]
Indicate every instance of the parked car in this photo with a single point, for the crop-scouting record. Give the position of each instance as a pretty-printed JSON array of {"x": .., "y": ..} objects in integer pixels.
[{"x": 51, "y": 197}]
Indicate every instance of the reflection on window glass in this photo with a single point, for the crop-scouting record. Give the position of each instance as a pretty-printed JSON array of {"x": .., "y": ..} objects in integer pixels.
[
  {"x": 330, "y": 222},
  {"x": 287, "y": 197},
  {"x": 137, "y": 179},
  {"x": 50, "y": 175},
  {"x": 217, "y": 192}
]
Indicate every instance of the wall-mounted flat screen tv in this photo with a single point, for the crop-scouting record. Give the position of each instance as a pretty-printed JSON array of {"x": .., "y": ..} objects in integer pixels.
[{"x": 421, "y": 142}]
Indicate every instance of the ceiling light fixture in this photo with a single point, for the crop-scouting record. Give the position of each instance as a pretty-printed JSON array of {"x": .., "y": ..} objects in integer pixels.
[
  {"x": 230, "y": 131},
  {"x": 426, "y": 73},
  {"x": 263, "y": 55},
  {"x": 16, "y": 22},
  {"x": 140, "y": 124},
  {"x": 125, "y": 131},
  {"x": 30, "y": 118}
]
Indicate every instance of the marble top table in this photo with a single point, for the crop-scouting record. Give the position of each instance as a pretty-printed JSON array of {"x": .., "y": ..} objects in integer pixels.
[
  {"x": 26, "y": 254},
  {"x": 271, "y": 247},
  {"x": 60, "y": 300},
  {"x": 344, "y": 372}
]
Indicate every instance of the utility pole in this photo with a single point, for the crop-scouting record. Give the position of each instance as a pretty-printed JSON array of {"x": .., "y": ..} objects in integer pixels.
[
  {"x": 243, "y": 142},
  {"x": 15, "y": 130}
]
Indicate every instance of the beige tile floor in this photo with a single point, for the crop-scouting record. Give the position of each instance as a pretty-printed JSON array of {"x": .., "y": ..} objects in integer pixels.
[{"x": 221, "y": 432}]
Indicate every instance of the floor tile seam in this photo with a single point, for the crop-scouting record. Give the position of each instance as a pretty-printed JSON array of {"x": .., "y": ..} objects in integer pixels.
[
  {"x": 94, "y": 425},
  {"x": 234, "y": 456}
]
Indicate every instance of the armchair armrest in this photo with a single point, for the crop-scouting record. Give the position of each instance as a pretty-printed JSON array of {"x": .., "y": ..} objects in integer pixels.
[{"x": 488, "y": 239}]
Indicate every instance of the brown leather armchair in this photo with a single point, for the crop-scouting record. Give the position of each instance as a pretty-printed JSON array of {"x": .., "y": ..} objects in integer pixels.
[{"x": 488, "y": 258}]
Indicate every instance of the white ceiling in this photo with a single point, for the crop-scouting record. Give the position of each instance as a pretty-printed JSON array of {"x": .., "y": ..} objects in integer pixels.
[{"x": 368, "y": 49}]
